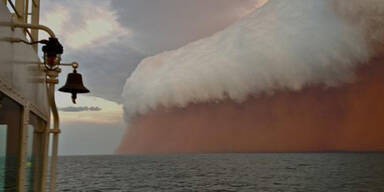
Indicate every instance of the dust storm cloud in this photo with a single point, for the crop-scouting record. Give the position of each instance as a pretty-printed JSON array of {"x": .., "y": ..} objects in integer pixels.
[{"x": 300, "y": 75}]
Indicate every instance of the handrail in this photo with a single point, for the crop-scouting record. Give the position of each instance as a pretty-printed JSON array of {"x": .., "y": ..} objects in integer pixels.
[
  {"x": 30, "y": 26},
  {"x": 21, "y": 11}
]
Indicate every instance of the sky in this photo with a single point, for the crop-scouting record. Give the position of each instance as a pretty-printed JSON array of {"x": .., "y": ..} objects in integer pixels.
[
  {"x": 109, "y": 39},
  {"x": 219, "y": 75}
]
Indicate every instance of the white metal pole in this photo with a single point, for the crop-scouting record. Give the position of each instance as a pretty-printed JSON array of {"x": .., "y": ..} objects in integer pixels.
[
  {"x": 55, "y": 131},
  {"x": 55, "y": 143}
]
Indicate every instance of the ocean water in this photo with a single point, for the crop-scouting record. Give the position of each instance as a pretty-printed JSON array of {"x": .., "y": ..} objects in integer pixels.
[{"x": 306, "y": 172}]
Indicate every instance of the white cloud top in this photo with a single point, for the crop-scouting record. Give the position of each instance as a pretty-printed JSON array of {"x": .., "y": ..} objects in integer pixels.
[{"x": 283, "y": 45}]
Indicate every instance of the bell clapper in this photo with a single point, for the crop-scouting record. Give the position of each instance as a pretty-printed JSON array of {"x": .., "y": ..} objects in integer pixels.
[{"x": 74, "y": 96}]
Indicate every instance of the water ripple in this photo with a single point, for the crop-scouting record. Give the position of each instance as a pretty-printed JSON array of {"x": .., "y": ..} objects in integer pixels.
[{"x": 334, "y": 172}]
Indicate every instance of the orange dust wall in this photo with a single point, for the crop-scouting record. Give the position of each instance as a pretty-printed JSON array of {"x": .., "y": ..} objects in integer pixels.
[{"x": 345, "y": 118}]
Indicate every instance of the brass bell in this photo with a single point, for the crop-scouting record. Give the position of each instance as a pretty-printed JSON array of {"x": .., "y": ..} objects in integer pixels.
[{"x": 74, "y": 85}]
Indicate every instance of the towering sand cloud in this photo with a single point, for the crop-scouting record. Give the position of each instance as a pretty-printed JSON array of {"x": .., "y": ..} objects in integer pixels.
[{"x": 298, "y": 75}]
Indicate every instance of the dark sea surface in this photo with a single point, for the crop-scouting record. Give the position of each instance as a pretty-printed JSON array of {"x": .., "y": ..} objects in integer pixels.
[{"x": 306, "y": 172}]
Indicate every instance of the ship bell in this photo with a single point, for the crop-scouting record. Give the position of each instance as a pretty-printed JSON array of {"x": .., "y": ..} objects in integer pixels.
[{"x": 74, "y": 85}]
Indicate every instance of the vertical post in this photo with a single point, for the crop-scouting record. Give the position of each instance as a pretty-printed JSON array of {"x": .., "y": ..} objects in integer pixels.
[
  {"x": 23, "y": 148},
  {"x": 55, "y": 144},
  {"x": 26, "y": 10},
  {"x": 20, "y": 6},
  {"x": 35, "y": 20},
  {"x": 46, "y": 152},
  {"x": 51, "y": 81}
]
